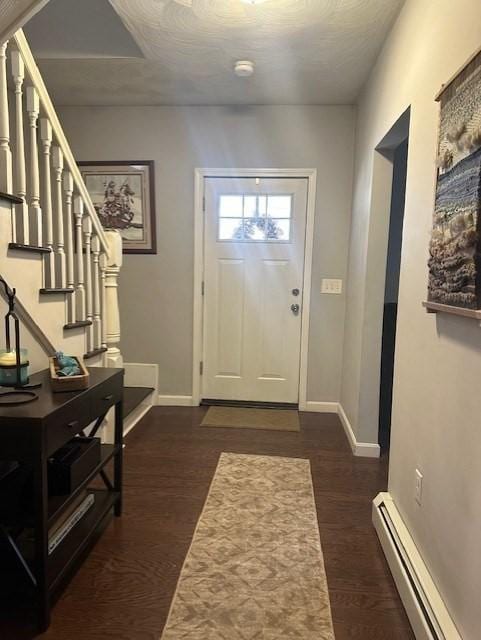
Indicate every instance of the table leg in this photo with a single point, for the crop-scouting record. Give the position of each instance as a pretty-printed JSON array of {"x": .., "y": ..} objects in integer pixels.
[
  {"x": 119, "y": 438},
  {"x": 40, "y": 498}
]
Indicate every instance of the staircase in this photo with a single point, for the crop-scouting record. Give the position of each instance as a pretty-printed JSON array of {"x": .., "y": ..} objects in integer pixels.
[{"x": 53, "y": 249}]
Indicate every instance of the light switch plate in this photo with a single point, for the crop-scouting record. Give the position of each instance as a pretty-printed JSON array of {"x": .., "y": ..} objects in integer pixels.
[{"x": 329, "y": 285}]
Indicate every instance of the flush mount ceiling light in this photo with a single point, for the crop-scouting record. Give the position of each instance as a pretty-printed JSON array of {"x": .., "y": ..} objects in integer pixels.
[
  {"x": 244, "y": 68},
  {"x": 253, "y": 1}
]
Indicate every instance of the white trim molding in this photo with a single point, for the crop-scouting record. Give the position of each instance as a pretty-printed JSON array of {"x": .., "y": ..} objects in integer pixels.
[
  {"x": 320, "y": 407},
  {"x": 141, "y": 374},
  {"x": 175, "y": 401},
  {"x": 361, "y": 449},
  {"x": 200, "y": 175},
  {"x": 138, "y": 413},
  {"x": 426, "y": 610}
]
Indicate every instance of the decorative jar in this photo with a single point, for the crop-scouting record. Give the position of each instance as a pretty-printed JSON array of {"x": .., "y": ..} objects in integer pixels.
[{"x": 8, "y": 368}]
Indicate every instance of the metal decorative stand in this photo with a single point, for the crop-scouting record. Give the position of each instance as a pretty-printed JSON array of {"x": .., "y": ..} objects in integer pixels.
[{"x": 21, "y": 393}]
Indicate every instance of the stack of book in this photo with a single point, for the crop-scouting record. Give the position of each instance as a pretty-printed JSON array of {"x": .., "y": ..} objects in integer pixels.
[{"x": 68, "y": 519}]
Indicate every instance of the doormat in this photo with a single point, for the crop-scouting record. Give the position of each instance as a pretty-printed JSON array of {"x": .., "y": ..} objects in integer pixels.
[{"x": 246, "y": 418}]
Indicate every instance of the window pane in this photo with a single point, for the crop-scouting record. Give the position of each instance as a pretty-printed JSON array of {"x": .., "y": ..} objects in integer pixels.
[
  {"x": 230, "y": 229},
  {"x": 278, "y": 229},
  {"x": 262, "y": 205},
  {"x": 279, "y": 206},
  {"x": 250, "y": 206},
  {"x": 230, "y": 207}
]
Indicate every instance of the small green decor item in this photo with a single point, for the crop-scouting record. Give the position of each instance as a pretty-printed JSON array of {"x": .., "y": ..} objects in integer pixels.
[{"x": 67, "y": 366}]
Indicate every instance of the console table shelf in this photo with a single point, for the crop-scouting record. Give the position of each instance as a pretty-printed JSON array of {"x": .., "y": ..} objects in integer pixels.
[
  {"x": 57, "y": 504},
  {"x": 30, "y": 434},
  {"x": 66, "y": 554}
]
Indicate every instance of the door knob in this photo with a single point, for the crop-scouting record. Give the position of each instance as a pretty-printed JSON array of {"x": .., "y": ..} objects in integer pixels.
[
  {"x": 295, "y": 308},
  {"x": 295, "y": 292}
]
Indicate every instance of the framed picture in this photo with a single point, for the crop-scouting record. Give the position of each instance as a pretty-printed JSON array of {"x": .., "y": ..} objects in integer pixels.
[{"x": 123, "y": 197}]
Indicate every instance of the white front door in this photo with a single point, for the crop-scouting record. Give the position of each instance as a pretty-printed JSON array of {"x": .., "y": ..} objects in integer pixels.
[{"x": 253, "y": 274}]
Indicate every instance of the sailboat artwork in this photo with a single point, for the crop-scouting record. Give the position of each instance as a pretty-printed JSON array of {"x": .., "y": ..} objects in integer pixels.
[{"x": 123, "y": 197}]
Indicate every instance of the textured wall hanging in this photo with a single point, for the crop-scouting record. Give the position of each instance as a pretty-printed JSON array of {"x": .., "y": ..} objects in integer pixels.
[{"x": 455, "y": 258}]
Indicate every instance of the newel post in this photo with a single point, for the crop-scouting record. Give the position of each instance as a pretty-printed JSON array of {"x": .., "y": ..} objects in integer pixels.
[{"x": 112, "y": 321}]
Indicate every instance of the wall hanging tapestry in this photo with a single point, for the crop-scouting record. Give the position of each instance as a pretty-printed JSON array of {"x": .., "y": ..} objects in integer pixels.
[
  {"x": 123, "y": 197},
  {"x": 454, "y": 263}
]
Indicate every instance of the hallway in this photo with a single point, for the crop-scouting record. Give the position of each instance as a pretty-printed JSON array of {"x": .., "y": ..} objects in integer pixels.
[{"x": 127, "y": 582}]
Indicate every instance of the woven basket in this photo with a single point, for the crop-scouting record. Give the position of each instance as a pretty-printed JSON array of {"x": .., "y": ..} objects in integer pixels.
[{"x": 68, "y": 383}]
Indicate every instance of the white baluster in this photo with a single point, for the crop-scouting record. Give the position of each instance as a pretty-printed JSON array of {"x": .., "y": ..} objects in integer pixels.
[
  {"x": 18, "y": 73},
  {"x": 57, "y": 163},
  {"x": 114, "y": 262},
  {"x": 35, "y": 209},
  {"x": 5, "y": 152},
  {"x": 97, "y": 328},
  {"x": 87, "y": 226},
  {"x": 78, "y": 206},
  {"x": 68, "y": 188},
  {"x": 46, "y": 137},
  {"x": 103, "y": 326}
]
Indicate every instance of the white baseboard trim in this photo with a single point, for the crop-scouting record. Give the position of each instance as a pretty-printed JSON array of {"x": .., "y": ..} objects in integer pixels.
[
  {"x": 141, "y": 374},
  {"x": 361, "y": 449},
  {"x": 426, "y": 610},
  {"x": 175, "y": 401},
  {"x": 320, "y": 407},
  {"x": 135, "y": 416}
]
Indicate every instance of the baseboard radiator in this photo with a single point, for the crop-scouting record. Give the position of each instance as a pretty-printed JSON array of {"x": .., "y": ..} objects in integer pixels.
[{"x": 424, "y": 606}]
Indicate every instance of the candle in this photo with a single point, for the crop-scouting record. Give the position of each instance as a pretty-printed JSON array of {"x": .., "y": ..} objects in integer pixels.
[
  {"x": 8, "y": 368},
  {"x": 9, "y": 358}
]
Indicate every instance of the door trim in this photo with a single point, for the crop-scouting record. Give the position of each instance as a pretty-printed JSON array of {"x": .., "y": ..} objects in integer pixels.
[{"x": 197, "y": 350}]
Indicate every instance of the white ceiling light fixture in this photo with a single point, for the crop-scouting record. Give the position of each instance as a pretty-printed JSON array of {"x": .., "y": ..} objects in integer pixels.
[
  {"x": 244, "y": 68},
  {"x": 253, "y": 1}
]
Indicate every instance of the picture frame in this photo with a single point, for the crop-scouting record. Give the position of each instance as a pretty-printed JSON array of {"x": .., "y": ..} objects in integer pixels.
[{"x": 123, "y": 195}]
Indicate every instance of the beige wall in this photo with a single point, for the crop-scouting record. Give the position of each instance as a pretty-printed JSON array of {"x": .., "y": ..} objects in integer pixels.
[
  {"x": 437, "y": 402},
  {"x": 156, "y": 291}
]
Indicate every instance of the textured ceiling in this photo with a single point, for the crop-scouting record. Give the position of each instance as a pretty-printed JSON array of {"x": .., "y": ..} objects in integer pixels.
[{"x": 305, "y": 52}]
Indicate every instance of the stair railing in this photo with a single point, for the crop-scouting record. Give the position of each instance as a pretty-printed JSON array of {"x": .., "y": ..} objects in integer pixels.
[{"x": 56, "y": 215}]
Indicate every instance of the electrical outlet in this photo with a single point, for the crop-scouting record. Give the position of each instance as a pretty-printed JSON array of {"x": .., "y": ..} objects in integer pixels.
[
  {"x": 418, "y": 487},
  {"x": 329, "y": 285}
]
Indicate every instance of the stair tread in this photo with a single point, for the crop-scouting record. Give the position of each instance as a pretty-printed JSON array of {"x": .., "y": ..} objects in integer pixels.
[
  {"x": 133, "y": 396},
  {"x": 32, "y": 248},
  {"x": 77, "y": 325},
  {"x": 56, "y": 290},
  {"x": 10, "y": 197},
  {"x": 94, "y": 352}
]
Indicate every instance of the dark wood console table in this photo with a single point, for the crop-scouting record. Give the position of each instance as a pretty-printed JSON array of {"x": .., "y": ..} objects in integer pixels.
[{"x": 31, "y": 433}]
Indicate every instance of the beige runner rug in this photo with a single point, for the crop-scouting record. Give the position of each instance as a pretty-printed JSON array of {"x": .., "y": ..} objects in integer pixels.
[
  {"x": 254, "y": 570},
  {"x": 246, "y": 418}
]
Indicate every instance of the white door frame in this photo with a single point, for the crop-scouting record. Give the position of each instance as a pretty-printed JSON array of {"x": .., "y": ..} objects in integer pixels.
[{"x": 197, "y": 351}]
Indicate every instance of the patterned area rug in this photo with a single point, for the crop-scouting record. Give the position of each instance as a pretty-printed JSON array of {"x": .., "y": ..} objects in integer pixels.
[
  {"x": 246, "y": 418},
  {"x": 255, "y": 569}
]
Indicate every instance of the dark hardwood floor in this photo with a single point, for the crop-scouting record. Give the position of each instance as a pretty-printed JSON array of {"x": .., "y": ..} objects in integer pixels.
[{"x": 124, "y": 588}]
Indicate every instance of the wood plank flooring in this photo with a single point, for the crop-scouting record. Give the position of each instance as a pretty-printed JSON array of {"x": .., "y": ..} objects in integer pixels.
[{"x": 124, "y": 588}]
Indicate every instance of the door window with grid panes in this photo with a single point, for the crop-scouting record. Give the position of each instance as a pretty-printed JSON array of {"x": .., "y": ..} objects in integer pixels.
[{"x": 254, "y": 218}]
